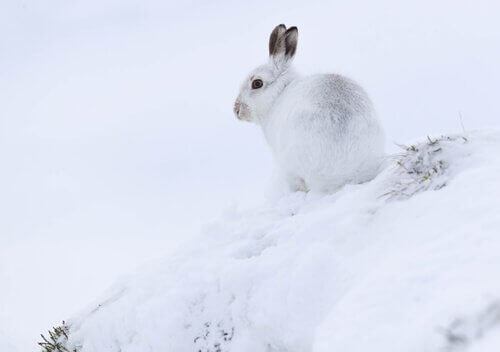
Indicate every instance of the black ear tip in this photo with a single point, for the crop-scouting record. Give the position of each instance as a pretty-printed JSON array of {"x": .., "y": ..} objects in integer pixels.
[
  {"x": 293, "y": 29},
  {"x": 280, "y": 28}
]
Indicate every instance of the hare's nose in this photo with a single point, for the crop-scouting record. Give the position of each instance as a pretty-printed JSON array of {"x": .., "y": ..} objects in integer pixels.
[{"x": 236, "y": 108}]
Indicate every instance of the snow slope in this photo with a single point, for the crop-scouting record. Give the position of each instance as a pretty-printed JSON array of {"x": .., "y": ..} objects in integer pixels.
[{"x": 407, "y": 262}]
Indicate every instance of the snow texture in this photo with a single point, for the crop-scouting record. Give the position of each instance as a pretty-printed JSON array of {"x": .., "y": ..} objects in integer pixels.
[{"x": 406, "y": 262}]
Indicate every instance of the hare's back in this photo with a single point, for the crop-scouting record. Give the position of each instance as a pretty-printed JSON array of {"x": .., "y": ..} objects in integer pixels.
[{"x": 334, "y": 96}]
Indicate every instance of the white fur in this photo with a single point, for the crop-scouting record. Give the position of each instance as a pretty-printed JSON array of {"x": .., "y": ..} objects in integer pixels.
[{"x": 322, "y": 129}]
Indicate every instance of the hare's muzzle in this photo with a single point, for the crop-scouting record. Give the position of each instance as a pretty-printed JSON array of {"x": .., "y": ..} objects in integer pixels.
[
  {"x": 236, "y": 108},
  {"x": 241, "y": 110}
]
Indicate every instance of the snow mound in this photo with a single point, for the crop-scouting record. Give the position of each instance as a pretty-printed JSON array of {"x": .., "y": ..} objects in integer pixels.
[{"x": 407, "y": 262}]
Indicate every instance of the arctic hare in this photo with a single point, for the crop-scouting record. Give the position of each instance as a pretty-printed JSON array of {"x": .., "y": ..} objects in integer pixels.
[{"x": 322, "y": 128}]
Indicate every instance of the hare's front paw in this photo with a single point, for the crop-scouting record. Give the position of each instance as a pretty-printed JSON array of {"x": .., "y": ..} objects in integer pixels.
[{"x": 297, "y": 184}]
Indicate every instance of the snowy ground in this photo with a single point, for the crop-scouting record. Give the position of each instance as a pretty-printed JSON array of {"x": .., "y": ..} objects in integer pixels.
[
  {"x": 117, "y": 139},
  {"x": 414, "y": 269}
]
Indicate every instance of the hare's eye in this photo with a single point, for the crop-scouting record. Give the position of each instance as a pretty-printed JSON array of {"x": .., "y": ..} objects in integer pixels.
[{"x": 257, "y": 83}]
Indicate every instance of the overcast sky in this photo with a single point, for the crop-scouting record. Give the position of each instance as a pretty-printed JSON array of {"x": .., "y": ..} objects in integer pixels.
[{"x": 117, "y": 139}]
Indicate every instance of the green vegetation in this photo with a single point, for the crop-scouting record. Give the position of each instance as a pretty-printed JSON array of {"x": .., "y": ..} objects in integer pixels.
[{"x": 56, "y": 340}]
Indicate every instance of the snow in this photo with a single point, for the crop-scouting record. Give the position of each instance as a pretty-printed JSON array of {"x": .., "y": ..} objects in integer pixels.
[
  {"x": 489, "y": 343},
  {"x": 356, "y": 270}
]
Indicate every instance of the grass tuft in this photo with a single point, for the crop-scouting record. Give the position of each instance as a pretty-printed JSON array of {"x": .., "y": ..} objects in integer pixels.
[
  {"x": 421, "y": 167},
  {"x": 56, "y": 340}
]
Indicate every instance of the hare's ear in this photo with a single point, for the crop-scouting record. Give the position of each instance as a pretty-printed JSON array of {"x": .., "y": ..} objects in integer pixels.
[
  {"x": 276, "y": 43},
  {"x": 291, "y": 38},
  {"x": 283, "y": 44}
]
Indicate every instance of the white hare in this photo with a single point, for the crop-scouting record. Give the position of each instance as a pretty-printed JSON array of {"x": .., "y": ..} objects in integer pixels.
[{"x": 322, "y": 129}]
